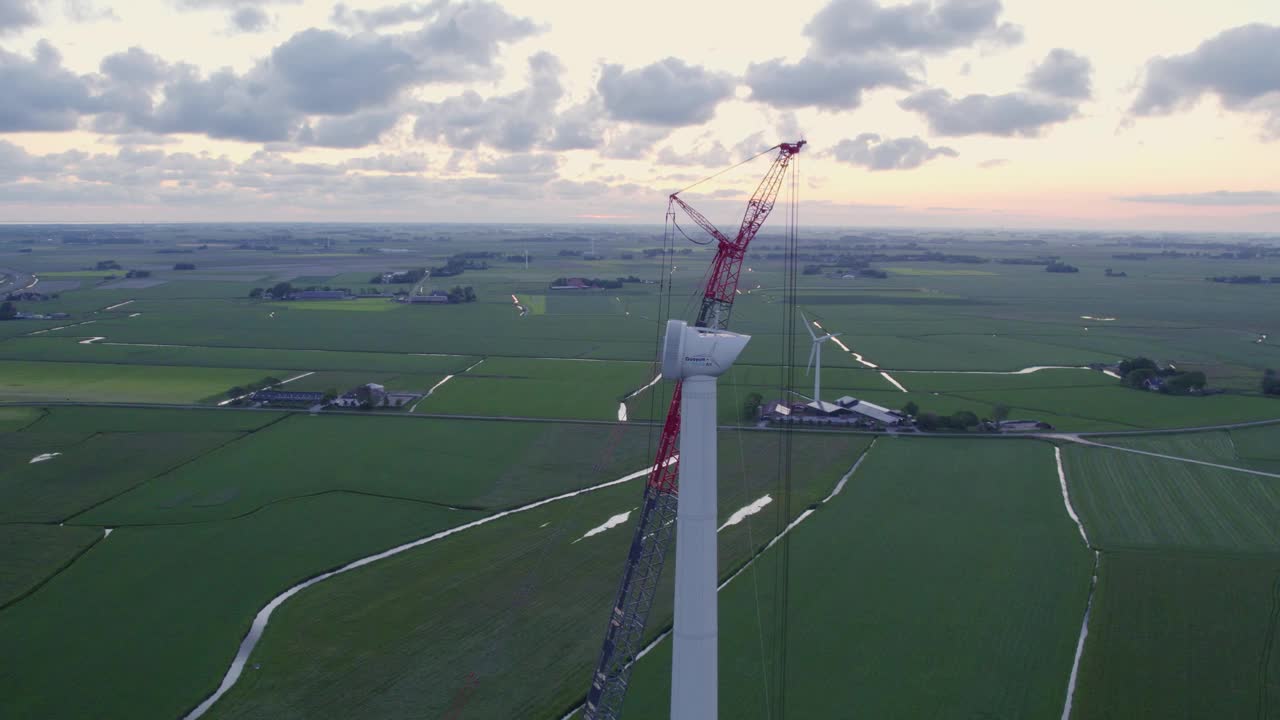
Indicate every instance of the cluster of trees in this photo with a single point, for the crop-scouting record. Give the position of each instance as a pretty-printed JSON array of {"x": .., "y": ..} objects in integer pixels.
[
  {"x": 278, "y": 291},
  {"x": 8, "y": 311},
  {"x": 108, "y": 265},
  {"x": 1270, "y": 380},
  {"x": 1140, "y": 372},
  {"x": 184, "y": 266},
  {"x": 461, "y": 294},
  {"x": 1113, "y": 273},
  {"x": 1060, "y": 267},
  {"x": 601, "y": 283},
  {"x": 460, "y": 263},
  {"x": 960, "y": 420},
  {"x": 1243, "y": 279},
  {"x": 138, "y": 274},
  {"x": 654, "y": 252}
]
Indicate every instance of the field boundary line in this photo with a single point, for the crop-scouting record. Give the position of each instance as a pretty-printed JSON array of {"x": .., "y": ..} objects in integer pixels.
[
  {"x": 1176, "y": 458},
  {"x": 263, "y": 616},
  {"x": 1084, "y": 634},
  {"x": 1066, "y": 496},
  {"x": 61, "y": 569}
]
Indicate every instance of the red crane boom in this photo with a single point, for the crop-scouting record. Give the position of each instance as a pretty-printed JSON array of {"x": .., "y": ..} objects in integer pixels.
[{"x": 658, "y": 511}]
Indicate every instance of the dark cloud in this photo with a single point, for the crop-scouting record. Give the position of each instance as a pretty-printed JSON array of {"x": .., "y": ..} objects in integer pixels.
[
  {"x": 384, "y": 16},
  {"x": 1009, "y": 115},
  {"x": 871, "y": 151},
  {"x": 860, "y": 26},
  {"x": 667, "y": 93},
  {"x": 349, "y": 131},
  {"x": 355, "y": 82},
  {"x": 1241, "y": 66},
  {"x": 1217, "y": 198},
  {"x": 40, "y": 94},
  {"x": 580, "y": 127},
  {"x": 16, "y": 15},
  {"x": 1063, "y": 74},
  {"x": 250, "y": 19},
  {"x": 831, "y": 84}
]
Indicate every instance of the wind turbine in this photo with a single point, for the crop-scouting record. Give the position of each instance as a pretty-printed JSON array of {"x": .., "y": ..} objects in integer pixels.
[{"x": 815, "y": 359}]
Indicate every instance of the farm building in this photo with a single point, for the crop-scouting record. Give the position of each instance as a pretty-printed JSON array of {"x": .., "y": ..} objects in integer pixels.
[
  {"x": 435, "y": 297},
  {"x": 871, "y": 411},
  {"x": 287, "y": 396}
]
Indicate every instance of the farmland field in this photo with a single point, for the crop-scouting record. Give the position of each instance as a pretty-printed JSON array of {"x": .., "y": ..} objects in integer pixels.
[
  {"x": 1130, "y": 501},
  {"x": 119, "y": 383},
  {"x": 963, "y": 587},
  {"x": 945, "y": 580},
  {"x": 1181, "y": 635}
]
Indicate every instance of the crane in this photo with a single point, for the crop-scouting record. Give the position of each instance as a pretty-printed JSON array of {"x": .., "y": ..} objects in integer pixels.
[{"x": 656, "y": 524}]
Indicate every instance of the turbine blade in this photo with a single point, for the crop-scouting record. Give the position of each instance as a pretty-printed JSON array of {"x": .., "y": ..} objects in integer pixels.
[
  {"x": 812, "y": 352},
  {"x": 808, "y": 326}
]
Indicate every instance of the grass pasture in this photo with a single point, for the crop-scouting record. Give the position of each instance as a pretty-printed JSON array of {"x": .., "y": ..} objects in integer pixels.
[
  {"x": 34, "y": 553},
  {"x": 539, "y": 388},
  {"x": 392, "y": 641},
  {"x": 1131, "y": 502},
  {"x": 89, "y": 382},
  {"x": 1181, "y": 636},
  {"x": 418, "y": 460},
  {"x": 931, "y": 587}
]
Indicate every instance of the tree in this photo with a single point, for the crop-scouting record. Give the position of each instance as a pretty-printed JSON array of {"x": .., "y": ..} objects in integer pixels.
[
  {"x": 752, "y": 406},
  {"x": 236, "y": 391},
  {"x": 963, "y": 419},
  {"x": 281, "y": 290},
  {"x": 256, "y": 293},
  {"x": 469, "y": 295},
  {"x": 1185, "y": 383},
  {"x": 911, "y": 408},
  {"x": 928, "y": 421},
  {"x": 1138, "y": 363},
  {"x": 184, "y": 266},
  {"x": 8, "y": 311},
  {"x": 1000, "y": 412},
  {"x": 1138, "y": 378},
  {"x": 1271, "y": 383}
]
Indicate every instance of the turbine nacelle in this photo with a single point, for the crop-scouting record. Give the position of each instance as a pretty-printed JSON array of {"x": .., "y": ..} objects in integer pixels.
[{"x": 692, "y": 351}]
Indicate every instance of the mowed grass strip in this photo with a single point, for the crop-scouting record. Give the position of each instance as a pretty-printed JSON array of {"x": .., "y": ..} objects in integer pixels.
[
  {"x": 88, "y": 382},
  {"x": 945, "y": 581},
  {"x": 146, "y": 622},
  {"x": 474, "y": 464},
  {"x": 399, "y": 639},
  {"x": 31, "y": 554},
  {"x": 1181, "y": 636},
  {"x": 1131, "y": 501}
]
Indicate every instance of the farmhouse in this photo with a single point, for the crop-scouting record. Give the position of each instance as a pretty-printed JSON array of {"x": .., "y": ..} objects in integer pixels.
[{"x": 871, "y": 411}]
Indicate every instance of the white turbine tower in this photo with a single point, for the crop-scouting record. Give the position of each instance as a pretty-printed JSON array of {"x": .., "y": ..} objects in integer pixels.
[
  {"x": 815, "y": 359},
  {"x": 696, "y": 356}
]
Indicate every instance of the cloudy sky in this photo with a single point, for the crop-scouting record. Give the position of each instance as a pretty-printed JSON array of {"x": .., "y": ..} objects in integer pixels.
[{"x": 1136, "y": 114}]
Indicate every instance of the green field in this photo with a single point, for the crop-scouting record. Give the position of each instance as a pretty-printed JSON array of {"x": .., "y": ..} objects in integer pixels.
[
  {"x": 396, "y": 642},
  {"x": 1181, "y": 636},
  {"x": 34, "y": 553},
  {"x": 1130, "y": 501},
  {"x": 931, "y": 587},
  {"x": 88, "y": 382}
]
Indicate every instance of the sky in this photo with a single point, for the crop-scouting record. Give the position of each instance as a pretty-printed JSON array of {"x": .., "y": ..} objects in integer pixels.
[{"x": 1092, "y": 115}]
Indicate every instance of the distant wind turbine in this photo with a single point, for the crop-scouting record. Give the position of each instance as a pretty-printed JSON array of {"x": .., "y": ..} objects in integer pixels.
[{"x": 815, "y": 359}]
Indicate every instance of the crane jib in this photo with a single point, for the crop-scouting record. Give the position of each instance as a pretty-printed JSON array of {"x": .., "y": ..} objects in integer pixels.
[{"x": 655, "y": 527}]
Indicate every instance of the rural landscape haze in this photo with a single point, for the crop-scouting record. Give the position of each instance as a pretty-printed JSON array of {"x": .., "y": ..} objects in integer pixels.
[{"x": 332, "y": 357}]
